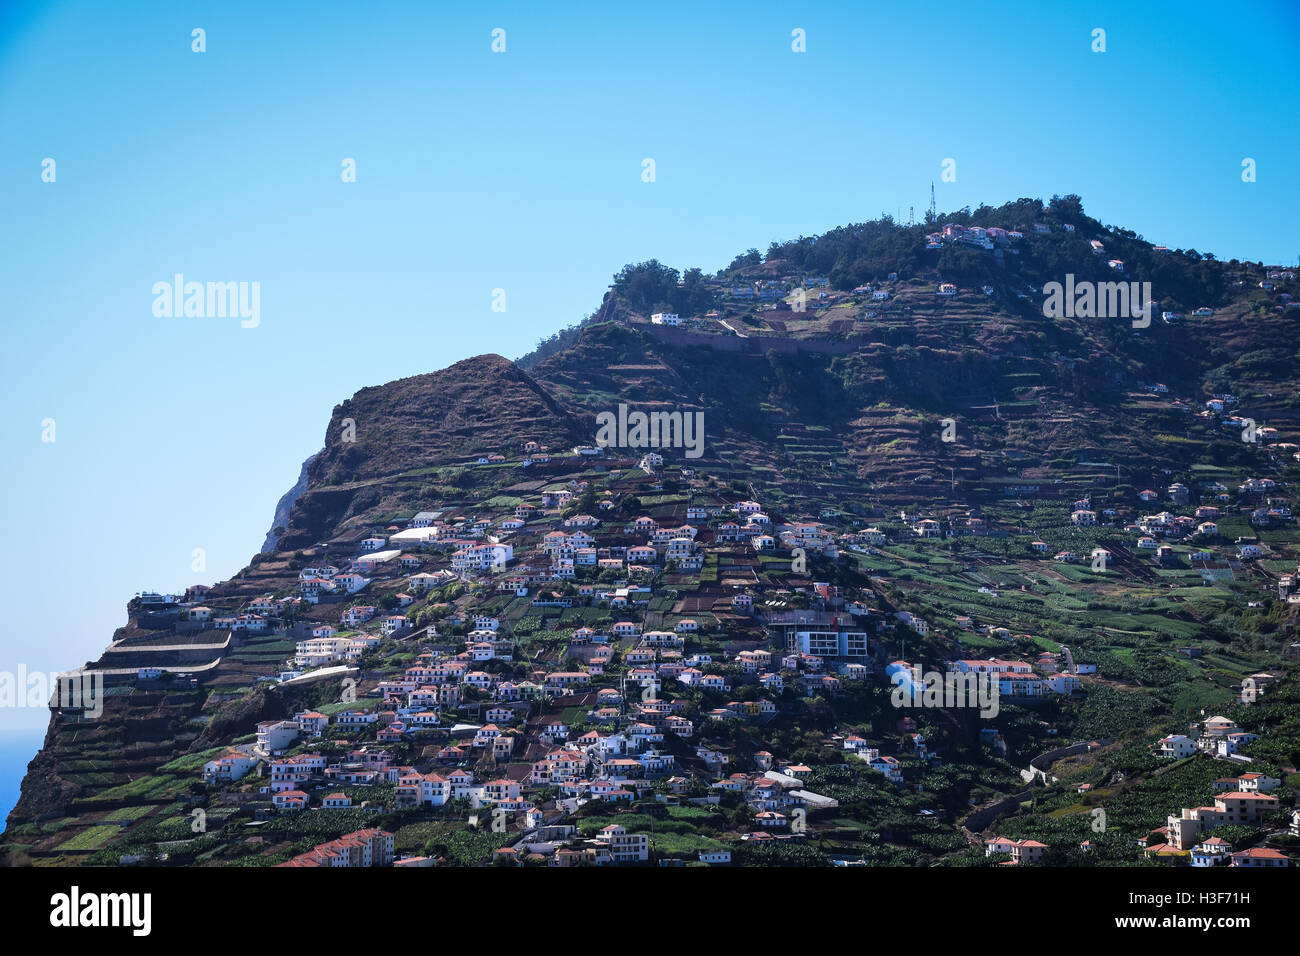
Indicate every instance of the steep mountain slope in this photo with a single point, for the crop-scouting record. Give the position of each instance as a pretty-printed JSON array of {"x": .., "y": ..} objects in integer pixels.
[
  {"x": 280, "y": 520},
  {"x": 383, "y": 444},
  {"x": 1022, "y": 391},
  {"x": 839, "y": 407}
]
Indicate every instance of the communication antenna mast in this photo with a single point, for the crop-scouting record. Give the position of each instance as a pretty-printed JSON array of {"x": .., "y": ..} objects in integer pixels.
[{"x": 932, "y": 212}]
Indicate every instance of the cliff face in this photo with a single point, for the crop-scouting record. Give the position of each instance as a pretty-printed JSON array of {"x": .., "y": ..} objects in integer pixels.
[
  {"x": 280, "y": 520},
  {"x": 387, "y": 442},
  {"x": 482, "y": 404}
]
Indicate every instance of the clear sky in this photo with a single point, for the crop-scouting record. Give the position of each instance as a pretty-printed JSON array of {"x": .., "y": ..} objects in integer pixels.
[{"x": 521, "y": 171}]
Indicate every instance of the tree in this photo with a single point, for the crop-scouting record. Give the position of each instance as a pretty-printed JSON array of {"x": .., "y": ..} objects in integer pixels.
[
  {"x": 644, "y": 285},
  {"x": 746, "y": 260}
]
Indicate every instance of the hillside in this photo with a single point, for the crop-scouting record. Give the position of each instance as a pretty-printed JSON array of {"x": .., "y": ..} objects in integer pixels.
[
  {"x": 852, "y": 379},
  {"x": 386, "y": 443}
]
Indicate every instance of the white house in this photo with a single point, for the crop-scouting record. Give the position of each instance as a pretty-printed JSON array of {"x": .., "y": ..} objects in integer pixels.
[
  {"x": 1177, "y": 746},
  {"x": 624, "y": 847},
  {"x": 274, "y": 736},
  {"x": 228, "y": 768},
  {"x": 312, "y": 723}
]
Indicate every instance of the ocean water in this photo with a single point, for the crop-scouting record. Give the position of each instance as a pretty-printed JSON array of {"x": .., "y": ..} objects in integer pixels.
[{"x": 16, "y": 751}]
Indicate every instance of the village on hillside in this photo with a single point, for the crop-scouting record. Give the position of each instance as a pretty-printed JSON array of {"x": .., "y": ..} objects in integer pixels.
[{"x": 574, "y": 671}]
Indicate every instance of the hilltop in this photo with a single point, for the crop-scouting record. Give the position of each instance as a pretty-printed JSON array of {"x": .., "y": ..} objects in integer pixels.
[{"x": 386, "y": 443}]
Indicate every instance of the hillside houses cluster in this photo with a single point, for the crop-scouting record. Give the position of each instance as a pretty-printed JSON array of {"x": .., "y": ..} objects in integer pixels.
[
  {"x": 1013, "y": 679},
  {"x": 1246, "y": 799},
  {"x": 535, "y": 656},
  {"x": 1195, "y": 525},
  {"x": 1218, "y": 737},
  {"x": 452, "y": 727}
]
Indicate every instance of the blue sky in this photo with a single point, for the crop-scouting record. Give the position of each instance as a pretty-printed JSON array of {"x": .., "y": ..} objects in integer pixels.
[{"x": 519, "y": 171}]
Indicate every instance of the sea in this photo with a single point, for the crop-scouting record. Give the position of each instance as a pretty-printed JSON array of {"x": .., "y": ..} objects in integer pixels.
[{"x": 17, "y": 748}]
